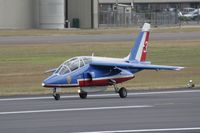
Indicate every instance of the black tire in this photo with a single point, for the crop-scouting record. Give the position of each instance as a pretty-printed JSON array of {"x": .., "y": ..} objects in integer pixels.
[
  {"x": 83, "y": 95},
  {"x": 123, "y": 92},
  {"x": 56, "y": 96}
]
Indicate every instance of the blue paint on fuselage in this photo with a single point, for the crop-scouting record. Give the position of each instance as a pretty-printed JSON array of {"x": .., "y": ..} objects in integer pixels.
[
  {"x": 55, "y": 79},
  {"x": 85, "y": 72},
  {"x": 69, "y": 78}
]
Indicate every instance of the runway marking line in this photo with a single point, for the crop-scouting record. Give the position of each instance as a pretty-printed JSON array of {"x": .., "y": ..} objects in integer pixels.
[
  {"x": 76, "y": 109},
  {"x": 102, "y": 95},
  {"x": 146, "y": 130}
]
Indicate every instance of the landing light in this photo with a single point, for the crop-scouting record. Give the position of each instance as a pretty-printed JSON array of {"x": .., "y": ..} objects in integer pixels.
[{"x": 43, "y": 84}]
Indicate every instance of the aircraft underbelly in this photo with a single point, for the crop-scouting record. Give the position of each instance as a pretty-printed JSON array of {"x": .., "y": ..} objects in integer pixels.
[{"x": 93, "y": 88}]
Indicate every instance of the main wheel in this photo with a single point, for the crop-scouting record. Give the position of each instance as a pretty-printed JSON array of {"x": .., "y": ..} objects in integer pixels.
[
  {"x": 123, "y": 92},
  {"x": 83, "y": 95},
  {"x": 56, "y": 96}
]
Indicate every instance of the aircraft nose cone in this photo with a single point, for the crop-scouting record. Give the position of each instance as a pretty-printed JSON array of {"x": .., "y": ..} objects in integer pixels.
[
  {"x": 49, "y": 81},
  {"x": 43, "y": 84},
  {"x": 54, "y": 81}
]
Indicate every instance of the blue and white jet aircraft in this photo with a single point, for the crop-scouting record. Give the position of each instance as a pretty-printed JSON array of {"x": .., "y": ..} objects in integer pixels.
[{"x": 94, "y": 74}]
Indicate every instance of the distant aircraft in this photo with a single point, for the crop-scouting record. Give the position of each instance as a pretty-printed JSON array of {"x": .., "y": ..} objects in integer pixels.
[{"x": 93, "y": 74}]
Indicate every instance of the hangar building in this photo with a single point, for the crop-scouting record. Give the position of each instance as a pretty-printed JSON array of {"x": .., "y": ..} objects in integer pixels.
[
  {"x": 32, "y": 14},
  {"x": 55, "y": 14}
]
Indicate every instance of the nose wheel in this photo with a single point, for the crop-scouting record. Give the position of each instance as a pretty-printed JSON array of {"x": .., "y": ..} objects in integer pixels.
[{"x": 56, "y": 95}]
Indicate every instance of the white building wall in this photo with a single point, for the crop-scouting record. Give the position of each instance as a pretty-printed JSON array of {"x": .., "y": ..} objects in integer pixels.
[
  {"x": 16, "y": 14},
  {"x": 80, "y": 9},
  {"x": 20, "y": 14},
  {"x": 95, "y": 14},
  {"x": 51, "y": 14},
  {"x": 36, "y": 13}
]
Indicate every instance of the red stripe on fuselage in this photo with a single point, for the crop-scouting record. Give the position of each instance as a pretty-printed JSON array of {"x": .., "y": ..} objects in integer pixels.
[
  {"x": 144, "y": 50},
  {"x": 102, "y": 82}
]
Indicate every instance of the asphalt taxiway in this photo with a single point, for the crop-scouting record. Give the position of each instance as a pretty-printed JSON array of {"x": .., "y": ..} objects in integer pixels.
[
  {"x": 56, "y": 39},
  {"x": 149, "y": 111}
]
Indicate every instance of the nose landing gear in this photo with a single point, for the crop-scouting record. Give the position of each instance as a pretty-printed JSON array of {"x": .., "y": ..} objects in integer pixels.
[{"x": 56, "y": 95}]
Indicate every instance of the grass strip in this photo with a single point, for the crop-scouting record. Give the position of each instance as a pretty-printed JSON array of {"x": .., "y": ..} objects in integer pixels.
[{"x": 22, "y": 66}]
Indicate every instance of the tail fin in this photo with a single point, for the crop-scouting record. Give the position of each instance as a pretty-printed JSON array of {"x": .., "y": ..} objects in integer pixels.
[{"x": 139, "y": 50}]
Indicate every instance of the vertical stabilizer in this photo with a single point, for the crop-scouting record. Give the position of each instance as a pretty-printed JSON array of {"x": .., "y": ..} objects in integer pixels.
[{"x": 139, "y": 50}]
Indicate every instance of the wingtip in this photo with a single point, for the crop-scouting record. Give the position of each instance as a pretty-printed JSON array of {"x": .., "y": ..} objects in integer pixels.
[{"x": 179, "y": 68}]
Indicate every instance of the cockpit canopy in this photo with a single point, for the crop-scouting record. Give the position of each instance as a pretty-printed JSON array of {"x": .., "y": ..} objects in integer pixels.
[{"x": 72, "y": 65}]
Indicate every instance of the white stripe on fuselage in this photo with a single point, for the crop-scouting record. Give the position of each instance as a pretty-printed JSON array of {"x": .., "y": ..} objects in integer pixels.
[
  {"x": 86, "y": 79},
  {"x": 109, "y": 77}
]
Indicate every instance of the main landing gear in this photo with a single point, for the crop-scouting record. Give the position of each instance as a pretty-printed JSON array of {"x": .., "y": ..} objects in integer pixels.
[
  {"x": 122, "y": 91},
  {"x": 83, "y": 95},
  {"x": 56, "y": 95}
]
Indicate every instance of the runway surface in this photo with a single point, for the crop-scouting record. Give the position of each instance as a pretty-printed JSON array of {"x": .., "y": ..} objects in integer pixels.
[
  {"x": 95, "y": 38},
  {"x": 153, "y": 111}
]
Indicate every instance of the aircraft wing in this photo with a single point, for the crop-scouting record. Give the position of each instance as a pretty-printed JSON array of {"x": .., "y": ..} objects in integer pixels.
[
  {"x": 141, "y": 66},
  {"x": 156, "y": 67}
]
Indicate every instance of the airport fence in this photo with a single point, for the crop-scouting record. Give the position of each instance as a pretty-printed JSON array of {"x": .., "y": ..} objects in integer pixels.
[{"x": 123, "y": 19}]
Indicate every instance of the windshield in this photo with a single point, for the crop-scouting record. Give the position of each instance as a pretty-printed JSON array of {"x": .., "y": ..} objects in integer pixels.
[{"x": 72, "y": 64}]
